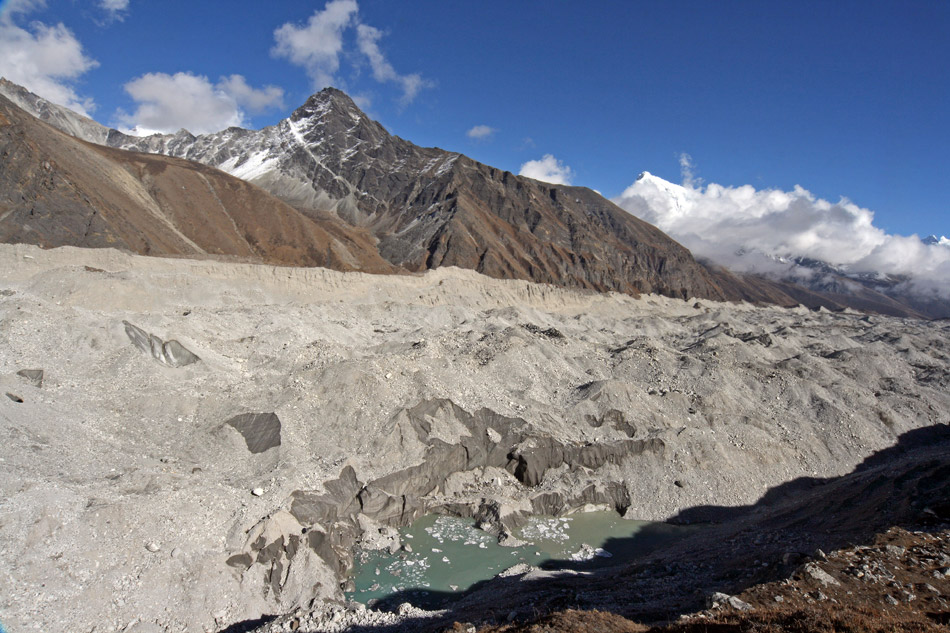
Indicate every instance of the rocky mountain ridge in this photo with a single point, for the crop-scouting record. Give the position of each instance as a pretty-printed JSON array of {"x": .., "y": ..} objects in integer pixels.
[{"x": 423, "y": 208}]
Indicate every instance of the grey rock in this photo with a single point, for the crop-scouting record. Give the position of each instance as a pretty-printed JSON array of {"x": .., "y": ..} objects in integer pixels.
[
  {"x": 172, "y": 353},
  {"x": 261, "y": 431},
  {"x": 820, "y": 575},
  {"x": 717, "y": 600},
  {"x": 894, "y": 550},
  {"x": 35, "y": 376},
  {"x": 506, "y": 539}
]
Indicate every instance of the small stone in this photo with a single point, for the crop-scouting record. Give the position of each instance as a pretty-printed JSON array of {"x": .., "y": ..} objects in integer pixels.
[
  {"x": 407, "y": 548},
  {"x": 257, "y": 492},
  {"x": 779, "y": 599},
  {"x": 152, "y": 546},
  {"x": 820, "y": 574},
  {"x": 34, "y": 376},
  {"x": 891, "y": 600},
  {"x": 176, "y": 552}
]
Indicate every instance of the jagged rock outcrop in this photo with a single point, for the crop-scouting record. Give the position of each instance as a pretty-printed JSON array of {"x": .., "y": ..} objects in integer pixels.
[
  {"x": 334, "y": 520},
  {"x": 171, "y": 353}
]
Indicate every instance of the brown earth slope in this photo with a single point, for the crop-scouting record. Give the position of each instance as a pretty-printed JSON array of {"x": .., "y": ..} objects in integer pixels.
[{"x": 57, "y": 190}]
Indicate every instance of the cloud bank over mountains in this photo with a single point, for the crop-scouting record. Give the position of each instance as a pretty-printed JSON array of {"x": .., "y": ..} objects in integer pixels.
[
  {"x": 766, "y": 231},
  {"x": 167, "y": 103}
]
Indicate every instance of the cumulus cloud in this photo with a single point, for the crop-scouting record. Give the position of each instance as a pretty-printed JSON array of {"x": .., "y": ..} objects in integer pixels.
[
  {"x": 765, "y": 231},
  {"x": 44, "y": 59},
  {"x": 167, "y": 103},
  {"x": 318, "y": 45},
  {"x": 255, "y": 100},
  {"x": 548, "y": 169},
  {"x": 481, "y": 133}
]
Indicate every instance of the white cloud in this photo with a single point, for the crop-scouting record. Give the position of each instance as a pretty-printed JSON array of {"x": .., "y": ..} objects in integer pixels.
[
  {"x": 167, "y": 103},
  {"x": 114, "y": 8},
  {"x": 687, "y": 171},
  {"x": 367, "y": 38},
  {"x": 254, "y": 100},
  {"x": 548, "y": 169},
  {"x": 481, "y": 132},
  {"x": 317, "y": 46},
  {"x": 762, "y": 230},
  {"x": 43, "y": 59}
]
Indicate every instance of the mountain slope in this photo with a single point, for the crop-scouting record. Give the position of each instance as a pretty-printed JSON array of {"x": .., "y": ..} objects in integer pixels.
[
  {"x": 424, "y": 207},
  {"x": 428, "y": 207},
  {"x": 57, "y": 190}
]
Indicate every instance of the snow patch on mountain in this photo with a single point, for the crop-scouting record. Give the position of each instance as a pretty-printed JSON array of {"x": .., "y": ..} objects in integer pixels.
[{"x": 255, "y": 166}]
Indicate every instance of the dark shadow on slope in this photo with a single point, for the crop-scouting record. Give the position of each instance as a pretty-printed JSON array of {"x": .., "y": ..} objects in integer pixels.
[
  {"x": 249, "y": 625},
  {"x": 907, "y": 485}
]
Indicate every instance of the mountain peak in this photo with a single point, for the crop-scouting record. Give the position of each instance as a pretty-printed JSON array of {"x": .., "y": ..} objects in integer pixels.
[
  {"x": 326, "y": 101},
  {"x": 331, "y": 95}
]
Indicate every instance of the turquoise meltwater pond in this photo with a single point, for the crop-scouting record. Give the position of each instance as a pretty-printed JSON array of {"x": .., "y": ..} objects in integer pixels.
[{"x": 448, "y": 555}]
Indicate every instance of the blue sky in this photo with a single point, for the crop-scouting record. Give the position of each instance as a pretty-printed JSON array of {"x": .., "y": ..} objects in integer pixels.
[{"x": 843, "y": 98}]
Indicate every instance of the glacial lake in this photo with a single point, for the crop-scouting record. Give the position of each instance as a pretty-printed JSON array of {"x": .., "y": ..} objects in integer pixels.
[{"x": 449, "y": 554}]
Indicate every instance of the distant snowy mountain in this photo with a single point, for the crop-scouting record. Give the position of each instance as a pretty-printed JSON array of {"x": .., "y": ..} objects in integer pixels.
[{"x": 794, "y": 237}]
